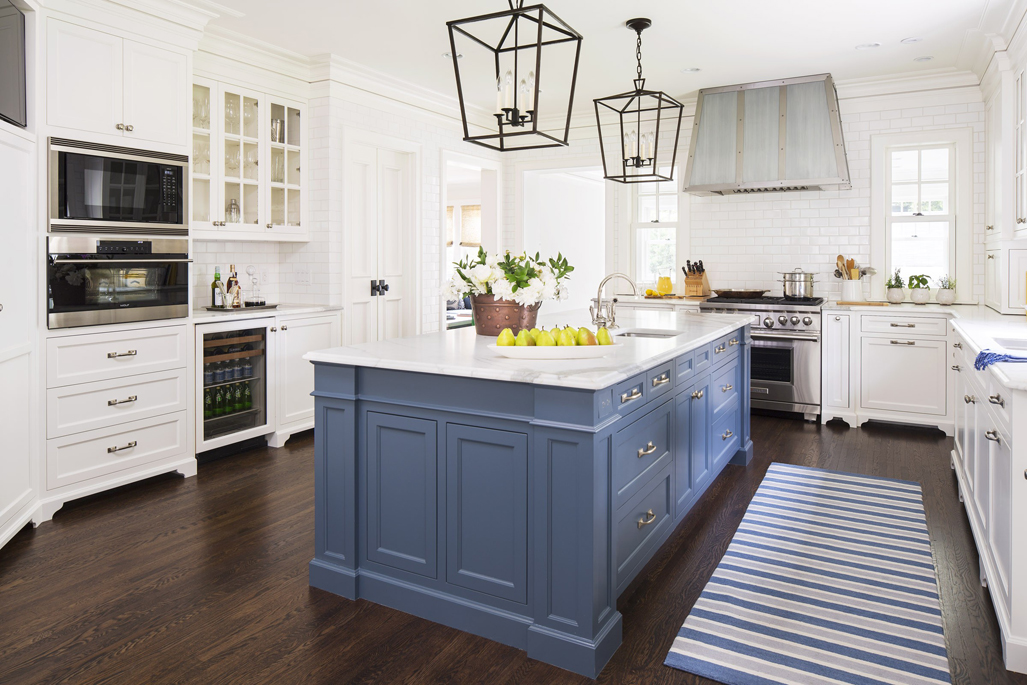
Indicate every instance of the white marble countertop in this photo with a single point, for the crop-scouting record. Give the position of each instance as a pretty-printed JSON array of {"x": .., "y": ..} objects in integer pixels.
[
  {"x": 981, "y": 335},
  {"x": 463, "y": 353},
  {"x": 955, "y": 311},
  {"x": 204, "y": 316},
  {"x": 640, "y": 301}
]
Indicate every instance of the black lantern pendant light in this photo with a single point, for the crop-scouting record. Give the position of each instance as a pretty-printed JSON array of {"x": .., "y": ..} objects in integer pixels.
[
  {"x": 639, "y": 129},
  {"x": 499, "y": 78}
]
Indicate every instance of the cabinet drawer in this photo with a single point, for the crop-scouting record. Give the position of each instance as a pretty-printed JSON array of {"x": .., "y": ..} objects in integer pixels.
[
  {"x": 726, "y": 348},
  {"x": 82, "y": 456},
  {"x": 905, "y": 325},
  {"x": 904, "y": 375},
  {"x": 629, "y": 395},
  {"x": 724, "y": 388},
  {"x": 100, "y": 356},
  {"x": 724, "y": 440},
  {"x": 87, "y": 406},
  {"x": 659, "y": 381},
  {"x": 640, "y": 451},
  {"x": 684, "y": 367},
  {"x": 703, "y": 358},
  {"x": 639, "y": 527}
]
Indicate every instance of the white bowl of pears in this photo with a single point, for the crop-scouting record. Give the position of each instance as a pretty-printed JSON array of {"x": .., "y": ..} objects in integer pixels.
[{"x": 559, "y": 343}]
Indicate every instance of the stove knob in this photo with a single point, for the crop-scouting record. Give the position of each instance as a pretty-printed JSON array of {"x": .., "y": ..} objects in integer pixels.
[
  {"x": 807, "y": 321},
  {"x": 768, "y": 322},
  {"x": 783, "y": 320},
  {"x": 795, "y": 321}
]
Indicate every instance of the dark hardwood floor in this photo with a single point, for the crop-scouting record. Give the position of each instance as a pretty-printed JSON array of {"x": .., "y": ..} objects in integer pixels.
[{"x": 205, "y": 580}]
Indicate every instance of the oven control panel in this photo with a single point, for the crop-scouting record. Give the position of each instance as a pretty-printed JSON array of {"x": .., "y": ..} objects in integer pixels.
[{"x": 126, "y": 247}]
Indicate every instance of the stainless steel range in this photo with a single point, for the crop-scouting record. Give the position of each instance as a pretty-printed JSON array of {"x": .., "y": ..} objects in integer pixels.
[{"x": 785, "y": 350}]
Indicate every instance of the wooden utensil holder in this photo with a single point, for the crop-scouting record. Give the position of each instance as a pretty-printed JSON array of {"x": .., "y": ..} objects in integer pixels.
[{"x": 697, "y": 286}]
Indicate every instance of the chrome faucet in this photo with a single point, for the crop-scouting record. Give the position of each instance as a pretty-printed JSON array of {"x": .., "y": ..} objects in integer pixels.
[{"x": 605, "y": 316}]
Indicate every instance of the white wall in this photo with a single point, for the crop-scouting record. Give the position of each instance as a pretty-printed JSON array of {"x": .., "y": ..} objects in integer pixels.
[{"x": 565, "y": 213}]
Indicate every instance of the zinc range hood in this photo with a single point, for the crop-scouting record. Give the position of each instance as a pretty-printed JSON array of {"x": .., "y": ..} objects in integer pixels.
[{"x": 770, "y": 136}]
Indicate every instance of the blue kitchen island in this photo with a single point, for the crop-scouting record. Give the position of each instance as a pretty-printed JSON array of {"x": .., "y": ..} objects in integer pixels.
[{"x": 516, "y": 500}]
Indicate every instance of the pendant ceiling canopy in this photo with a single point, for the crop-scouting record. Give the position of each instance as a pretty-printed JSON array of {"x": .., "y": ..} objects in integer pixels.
[
  {"x": 515, "y": 77},
  {"x": 639, "y": 129}
]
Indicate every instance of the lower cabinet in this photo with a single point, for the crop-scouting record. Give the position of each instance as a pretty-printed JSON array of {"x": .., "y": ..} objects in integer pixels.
[
  {"x": 835, "y": 391},
  {"x": 904, "y": 375},
  {"x": 296, "y": 337}
]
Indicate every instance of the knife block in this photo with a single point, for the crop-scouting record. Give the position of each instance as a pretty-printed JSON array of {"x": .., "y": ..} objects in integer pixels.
[{"x": 697, "y": 286}]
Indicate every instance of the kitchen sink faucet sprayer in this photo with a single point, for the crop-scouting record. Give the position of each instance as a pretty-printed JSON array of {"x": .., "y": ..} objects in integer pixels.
[{"x": 607, "y": 318}]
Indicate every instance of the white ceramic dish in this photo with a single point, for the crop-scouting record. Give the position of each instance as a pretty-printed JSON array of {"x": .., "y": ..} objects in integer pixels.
[{"x": 555, "y": 351}]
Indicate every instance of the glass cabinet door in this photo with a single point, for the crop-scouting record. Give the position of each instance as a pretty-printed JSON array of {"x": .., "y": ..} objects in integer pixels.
[
  {"x": 286, "y": 154},
  {"x": 203, "y": 204},
  {"x": 240, "y": 158}
]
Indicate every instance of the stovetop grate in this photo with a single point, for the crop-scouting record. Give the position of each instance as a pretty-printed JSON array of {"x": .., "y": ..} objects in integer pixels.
[{"x": 783, "y": 301}]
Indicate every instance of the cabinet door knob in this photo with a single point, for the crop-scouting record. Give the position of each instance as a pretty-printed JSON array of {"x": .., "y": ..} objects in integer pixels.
[
  {"x": 992, "y": 435},
  {"x": 130, "y": 128},
  {"x": 958, "y": 346},
  {"x": 837, "y": 318},
  {"x": 991, "y": 256},
  {"x": 969, "y": 399},
  {"x": 727, "y": 434},
  {"x": 647, "y": 450},
  {"x": 285, "y": 328},
  {"x": 270, "y": 226},
  {"x": 273, "y": 329},
  {"x": 649, "y": 518},
  {"x": 989, "y": 228},
  {"x": 997, "y": 399},
  {"x": 697, "y": 395},
  {"x": 727, "y": 387},
  {"x": 120, "y": 127}
]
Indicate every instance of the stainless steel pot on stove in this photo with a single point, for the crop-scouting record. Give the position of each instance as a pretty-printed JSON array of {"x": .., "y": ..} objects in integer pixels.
[{"x": 798, "y": 284}]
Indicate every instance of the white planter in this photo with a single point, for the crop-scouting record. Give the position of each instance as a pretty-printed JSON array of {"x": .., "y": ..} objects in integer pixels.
[
  {"x": 920, "y": 295},
  {"x": 896, "y": 295},
  {"x": 946, "y": 296},
  {"x": 852, "y": 291}
]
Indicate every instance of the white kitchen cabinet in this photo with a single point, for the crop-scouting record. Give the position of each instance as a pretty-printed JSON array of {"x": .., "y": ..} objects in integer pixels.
[
  {"x": 296, "y": 337},
  {"x": 127, "y": 91},
  {"x": 1000, "y": 531},
  {"x": 249, "y": 152},
  {"x": 1017, "y": 279},
  {"x": 993, "y": 168},
  {"x": 903, "y": 375},
  {"x": 836, "y": 362},
  {"x": 992, "y": 282}
]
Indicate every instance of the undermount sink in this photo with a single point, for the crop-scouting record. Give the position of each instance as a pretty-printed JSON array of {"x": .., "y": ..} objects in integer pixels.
[
  {"x": 659, "y": 333},
  {"x": 1012, "y": 343}
]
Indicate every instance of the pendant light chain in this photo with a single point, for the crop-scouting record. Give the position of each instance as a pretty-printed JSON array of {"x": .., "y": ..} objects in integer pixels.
[{"x": 638, "y": 54}]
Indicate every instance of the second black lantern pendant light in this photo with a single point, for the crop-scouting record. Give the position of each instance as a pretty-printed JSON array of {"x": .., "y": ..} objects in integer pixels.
[{"x": 639, "y": 130}]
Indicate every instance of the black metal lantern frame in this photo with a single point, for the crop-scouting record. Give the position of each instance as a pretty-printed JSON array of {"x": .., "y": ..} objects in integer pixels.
[
  {"x": 641, "y": 122},
  {"x": 523, "y": 33}
]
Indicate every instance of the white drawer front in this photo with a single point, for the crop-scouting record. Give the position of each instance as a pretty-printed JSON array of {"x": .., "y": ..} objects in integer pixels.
[
  {"x": 82, "y": 456},
  {"x": 904, "y": 375},
  {"x": 88, "y": 406},
  {"x": 905, "y": 325},
  {"x": 100, "y": 356}
]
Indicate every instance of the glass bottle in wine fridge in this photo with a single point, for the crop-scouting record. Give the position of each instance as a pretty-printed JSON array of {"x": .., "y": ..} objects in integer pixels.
[{"x": 235, "y": 365}]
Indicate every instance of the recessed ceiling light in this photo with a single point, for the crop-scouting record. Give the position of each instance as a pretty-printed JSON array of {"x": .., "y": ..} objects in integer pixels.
[
  {"x": 926, "y": 58},
  {"x": 449, "y": 55},
  {"x": 867, "y": 46},
  {"x": 910, "y": 40},
  {"x": 690, "y": 70}
]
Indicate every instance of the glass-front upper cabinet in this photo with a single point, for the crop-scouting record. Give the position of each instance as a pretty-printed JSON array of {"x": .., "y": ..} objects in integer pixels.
[
  {"x": 203, "y": 202},
  {"x": 286, "y": 152},
  {"x": 241, "y": 157}
]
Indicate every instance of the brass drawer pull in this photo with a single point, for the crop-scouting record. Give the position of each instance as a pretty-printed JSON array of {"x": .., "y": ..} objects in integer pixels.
[
  {"x": 958, "y": 346},
  {"x": 649, "y": 518},
  {"x": 997, "y": 399},
  {"x": 732, "y": 341},
  {"x": 903, "y": 325},
  {"x": 114, "y": 403},
  {"x": 727, "y": 434},
  {"x": 727, "y": 387},
  {"x": 957, "y": 367},
  {"x": 661, "y": 380},
  {"x": 992, "y": 435},
  {"x": 903, "y": 342},
  {"x": 115, "y": 355},
  {"x": 635, "y": 394},
  {"x": 969, "y": 399},
  {"x": 722, "y": 348},
  {"x": 647, "y": 450},
  {"x": 697, "y": 395},
  {"x": 118, "y": 449}
]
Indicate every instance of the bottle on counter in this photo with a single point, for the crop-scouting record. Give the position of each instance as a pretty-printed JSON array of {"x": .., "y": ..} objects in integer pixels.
[
  {"x": 234, "y": 290},
  {"x": 216, "y": 299}
]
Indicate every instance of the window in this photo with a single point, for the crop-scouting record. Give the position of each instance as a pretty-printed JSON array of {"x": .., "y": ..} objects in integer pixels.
[
  {"x": 920, "y": 206},
  {"x": 654, "y": 229}
]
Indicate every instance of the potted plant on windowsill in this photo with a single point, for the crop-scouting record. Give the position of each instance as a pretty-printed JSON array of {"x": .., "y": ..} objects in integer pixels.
[
  {"x": 946, "y": 290},
  {"x": 920, "y": 289},
  {"x": 507, "y": 292},
  {"x": 895, "y": 286}
]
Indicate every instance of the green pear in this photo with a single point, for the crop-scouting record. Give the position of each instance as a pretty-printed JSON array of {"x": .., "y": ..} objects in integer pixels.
[
  {"x": 524, "y": 339},
  {"x": 506, "y": 338},
  {"x": 565, "y": 339},
  {"x": 603, "y": 337},
  {"x": 545, "y": 339},
  {"x": 573, "y": 331},
  {"x": 534, "y": 334},
  {"x": 585, "y": 337}
]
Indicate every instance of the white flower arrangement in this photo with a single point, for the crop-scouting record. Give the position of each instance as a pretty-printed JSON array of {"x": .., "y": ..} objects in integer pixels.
[{"x": 523, "y": 279}]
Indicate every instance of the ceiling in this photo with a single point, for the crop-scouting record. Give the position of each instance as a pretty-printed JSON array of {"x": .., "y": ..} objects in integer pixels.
[{"x": 732, "y": 41}]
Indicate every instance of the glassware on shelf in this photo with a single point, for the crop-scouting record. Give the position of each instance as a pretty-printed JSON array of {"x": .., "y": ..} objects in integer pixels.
[
  {"x": 233, "y": 212},
  {"x": 232, "y": 114},
  {"x": 277, "y": 131},
  {"x": 232, "y": 159},
  {"x": 277, "y": 168}
]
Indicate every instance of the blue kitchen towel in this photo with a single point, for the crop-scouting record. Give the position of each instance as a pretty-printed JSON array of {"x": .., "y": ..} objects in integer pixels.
[{"x": 986, "y": 358}]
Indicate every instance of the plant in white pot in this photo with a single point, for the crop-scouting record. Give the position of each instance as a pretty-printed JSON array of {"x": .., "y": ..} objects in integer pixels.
[
  {"x": 895, "y": 286},
  {"x": 946, "y": 290},
  {"x": 920, "y": 289}
]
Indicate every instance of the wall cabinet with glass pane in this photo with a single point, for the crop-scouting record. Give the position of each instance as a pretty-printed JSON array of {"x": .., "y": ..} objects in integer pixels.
[{"x": 249, "y": 165}]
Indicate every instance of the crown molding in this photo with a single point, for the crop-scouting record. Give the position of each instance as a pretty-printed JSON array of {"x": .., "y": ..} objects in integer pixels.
[
  {"x": 253, "y": 52},
  {"x": 914, "y": 82},
  {"x": 170, "y": 21}
]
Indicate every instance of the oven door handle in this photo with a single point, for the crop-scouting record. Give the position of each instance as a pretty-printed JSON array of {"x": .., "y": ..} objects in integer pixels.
[
  {"x": 785, "y": 338},
  {"x": 101, "y": 262}
]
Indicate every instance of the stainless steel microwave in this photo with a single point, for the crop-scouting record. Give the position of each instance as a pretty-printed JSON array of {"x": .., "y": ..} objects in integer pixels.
[{"x": 95, "y": 188}]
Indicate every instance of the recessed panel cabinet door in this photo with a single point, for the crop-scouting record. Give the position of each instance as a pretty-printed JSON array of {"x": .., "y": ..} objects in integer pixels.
[
  {"x": 156, "y": 104},
  {"x": 402, "y": 487},
  {"x": 83, "y": 79},
  {"x": 906, "y": 375},
  {"x": 487, "y": 511},
  {"x": 297, "y": 337},
  {"x": 1002, "y": 505},
  {"x": 699, "y": 422},
  {"x": 683, "y": 476}
]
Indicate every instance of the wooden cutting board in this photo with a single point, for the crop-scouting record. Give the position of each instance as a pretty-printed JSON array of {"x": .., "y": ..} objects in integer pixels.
[{"x": 864, "y": 304}]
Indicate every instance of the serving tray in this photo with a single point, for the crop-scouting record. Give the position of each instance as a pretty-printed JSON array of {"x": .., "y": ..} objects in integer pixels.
[
  {"x": 241, "y": 309},
  {"x": 555, "y": 351}
]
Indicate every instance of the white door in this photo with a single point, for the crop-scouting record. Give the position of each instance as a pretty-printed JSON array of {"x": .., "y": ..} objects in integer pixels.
[
  {"x": 83, "y": 79},
  {"x": 156, "y": 103},
  {"x": 904, "y": 375},
  {"x": 297, "y": 337},
  {"x": 836, "y": 360},
  {"x": 380, "y": 230}
]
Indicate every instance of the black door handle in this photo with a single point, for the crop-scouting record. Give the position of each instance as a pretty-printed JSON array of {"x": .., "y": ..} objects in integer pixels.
[
  {"x": 383, "y": 287},
  {"x": 375, "y": 292}
]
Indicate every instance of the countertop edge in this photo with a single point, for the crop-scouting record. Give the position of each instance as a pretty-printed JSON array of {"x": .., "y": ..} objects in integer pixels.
[{"x": 965, "y": 327}]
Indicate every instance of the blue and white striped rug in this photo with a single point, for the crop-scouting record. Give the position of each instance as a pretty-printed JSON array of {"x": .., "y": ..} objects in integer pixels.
[{"x": 829, "y": 579}]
